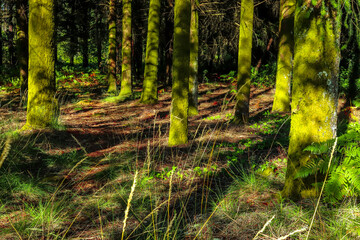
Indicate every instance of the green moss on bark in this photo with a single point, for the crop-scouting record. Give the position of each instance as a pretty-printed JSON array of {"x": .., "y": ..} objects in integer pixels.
[
  {"x": 126, "y": 87},
  {"x": 244, "y": 62},
  {"x": 194, "y": 55},
  {"x": 285, "y": 57},
  {"x": 42, "y": 111},
  {"x": 149, "y": 94},
  {"x": 314, "y": 94},
  {"x": 181, "y": 62},
  {"x": 111, "y": 77}
]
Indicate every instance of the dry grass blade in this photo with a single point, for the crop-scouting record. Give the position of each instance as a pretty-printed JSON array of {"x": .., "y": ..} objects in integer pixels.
[
  {"x": 6, "y": 150},
  {"x": 128, "y": 204},
  {"x": 265, "y": 225}
]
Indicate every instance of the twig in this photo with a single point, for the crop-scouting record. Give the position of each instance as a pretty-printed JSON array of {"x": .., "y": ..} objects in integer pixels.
[
  {"x": 292, "y": 233},
  {"x": 266, "y": 224}
]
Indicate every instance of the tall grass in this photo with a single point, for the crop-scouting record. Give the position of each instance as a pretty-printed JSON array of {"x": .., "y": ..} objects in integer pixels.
[{"x": 157, "y": 192}]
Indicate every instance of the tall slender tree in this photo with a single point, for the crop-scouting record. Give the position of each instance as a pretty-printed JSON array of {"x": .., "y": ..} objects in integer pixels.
[
  {"x": 98, "y": 37},
  {"x": 126, "y": 84},
  {"x": 42, "y": 107},
  {"x": 10, "y": 31},
  {"x": 149, "y": 94},
  {"x": 22, "y": 43},
  {"x": 314, "y": 93},
  {"x": 244, "y": 61},
  {"x": 111, "y": 77},
  {"x": 1, "y": 39},
  {"x": 285, "y": 57},
  {"x": 180, "y": 82},
  {"x": 85, "y": 29},
  {"x": 73, "y": 32},
  {"x": 194, "y": 58}
]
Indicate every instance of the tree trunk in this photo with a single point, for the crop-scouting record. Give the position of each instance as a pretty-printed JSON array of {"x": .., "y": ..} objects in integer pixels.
[
  {"x": 314, "y": 93},
  {"x": 42, "y": 105},
  {"x": 181, "y": 68},
  {"x": 194, "y": 56},
  {"x": 1, "y": 39},
  {"x": 285, "y": 57},
  {"x": 149, "y": 94},
  {"x": 10, "y": 33},
  {"x": 111, "y": 77},
  {"x": 126, "y": 85},
  {"x": 73, "y": 37},
  {"x": 22, "y": 44},
  {"x": 244, "y": 62},
  {"x": 98, "y": 38},
  {"x": 85, "y": 34}
]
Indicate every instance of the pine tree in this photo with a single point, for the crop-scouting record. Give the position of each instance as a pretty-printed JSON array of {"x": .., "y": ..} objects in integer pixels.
[
  {"x": 285, "y": 57},
  {"x": 180, "y": 82},
  {"x": 22, "y": 43},
  {"x": 244, "y": 61},
  {"x": 111, "y": 77},
  {"x": 42, "y": 111},
  {"x": 126, "y": 85},
  {"x": 194, "y": 56},
  {"x": 314, "y": 93},
  {"x": 149, "y": 94}
]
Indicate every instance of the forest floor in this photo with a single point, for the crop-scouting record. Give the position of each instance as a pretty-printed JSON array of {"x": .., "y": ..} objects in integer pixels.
[{"x": 75, "y": 182}]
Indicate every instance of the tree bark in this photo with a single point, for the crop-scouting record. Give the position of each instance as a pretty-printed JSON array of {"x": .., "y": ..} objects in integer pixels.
[
  {"x": 111, "y": 77},
  {"x": 181, "y": 62},
  {"x": 244, "y": 62},
  {"x": 149, "y": 94},
  {"x": 126, "y": 84},
  {"x": 194, "y": 56},
  {"x": 285, "y": 57},
  {"x": 42, "y": 111},
  {"x": 314, "y": 93}
]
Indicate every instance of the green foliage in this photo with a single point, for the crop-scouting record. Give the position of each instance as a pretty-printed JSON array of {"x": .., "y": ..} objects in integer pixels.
[
  {"x": 266, "y": 76},
  {"x": 230, "y": 77},
  {"x": 344, "y": 172}
]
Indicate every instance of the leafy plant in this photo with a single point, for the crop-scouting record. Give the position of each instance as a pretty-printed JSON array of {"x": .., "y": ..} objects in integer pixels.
[
  {"x": 344, "y": 172},
  {"x": 230, "y": 77},
  {"x": 265, "y": 77}
]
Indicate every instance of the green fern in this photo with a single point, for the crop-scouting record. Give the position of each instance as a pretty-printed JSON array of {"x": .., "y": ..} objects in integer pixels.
[{"x": 344, "y": 173}]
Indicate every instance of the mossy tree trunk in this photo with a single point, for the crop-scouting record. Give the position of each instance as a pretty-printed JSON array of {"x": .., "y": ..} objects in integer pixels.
[
  {"x": 181, "y": 68},
  {"x": 22, "y": 43},
  {"x": 111, "y": 77},
  {"x": 285, "y": 57},
  {"x": 42, "y": 107},
  {"x": 149, "y": 94},
  {"x": 126, "y": 85},
  {"x": 314, "y": 93},
  {"x": 1, "y": 39},
  {"x": 244, "y": 62},
  {"x": 194, "y": 56}
]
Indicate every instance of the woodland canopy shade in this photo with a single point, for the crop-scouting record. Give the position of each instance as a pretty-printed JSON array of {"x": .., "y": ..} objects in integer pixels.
[{"x": 42, "y": 108}]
